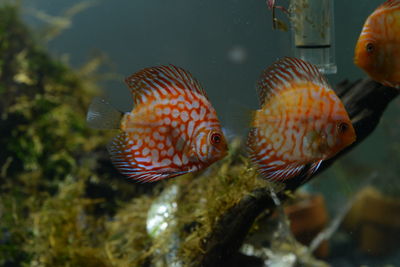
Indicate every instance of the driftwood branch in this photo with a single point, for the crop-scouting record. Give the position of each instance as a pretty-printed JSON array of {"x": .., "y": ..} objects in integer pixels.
[{"x": 365, "y": 101}]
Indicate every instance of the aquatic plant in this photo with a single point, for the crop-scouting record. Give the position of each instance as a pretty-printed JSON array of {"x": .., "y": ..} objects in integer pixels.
[
  {"x": 63, "y": 204},
  {"x": 45, "y": 144}
]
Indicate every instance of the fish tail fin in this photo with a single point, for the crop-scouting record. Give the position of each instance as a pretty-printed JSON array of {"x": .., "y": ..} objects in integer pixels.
[
  {"x": 239, "y": 117},
  {"x": 102, "y": 115}
]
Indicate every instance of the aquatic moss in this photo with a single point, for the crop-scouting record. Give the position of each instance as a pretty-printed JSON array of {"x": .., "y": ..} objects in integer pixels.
[
  {"x": 203, "y": 198},
  {"x": 127, "y": 242},
  {"x": 46, "y": 146},
  {"x": 61, "y": 201},
  {"x": 43, "y": 107},
  {"x": 64, "y": 233}
]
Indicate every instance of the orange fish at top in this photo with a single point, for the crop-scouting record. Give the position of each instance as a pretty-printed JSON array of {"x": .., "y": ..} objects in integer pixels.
[
  {"x": 172, "y": 129},
  {"x": 377, "y": 50},
  {"x": 301, "y": 122}
]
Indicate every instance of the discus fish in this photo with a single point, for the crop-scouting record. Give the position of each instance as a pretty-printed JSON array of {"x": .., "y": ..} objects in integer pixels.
[
  {"x": 301, "y": 122},
  {"x": 172, "y": 129},
  {"x": 377, "y": 50}
]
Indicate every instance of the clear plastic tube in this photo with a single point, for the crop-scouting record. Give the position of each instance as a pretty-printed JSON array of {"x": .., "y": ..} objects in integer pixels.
[{"x": 313, "y": 33}]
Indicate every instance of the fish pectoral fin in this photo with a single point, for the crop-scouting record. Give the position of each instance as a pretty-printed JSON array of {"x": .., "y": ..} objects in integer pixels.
[{"x": 189, "y": 151}]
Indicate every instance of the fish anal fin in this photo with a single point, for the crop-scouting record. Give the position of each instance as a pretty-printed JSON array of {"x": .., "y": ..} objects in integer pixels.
[
  {"x": 311, "y": 170},
  {"x": 286, "y": 172},
  {"x": 136, "y": 166},
  {"x": 122, "y": 156},
  {"x": 154, "y": 176},
  {"x": 391, "y": 84},
  {"x": 281, "y": 172}
]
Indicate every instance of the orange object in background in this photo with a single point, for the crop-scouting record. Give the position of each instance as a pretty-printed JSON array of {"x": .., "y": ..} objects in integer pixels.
[
  {"x": 308, "y": 217},
  {"x": 375, "y": 220}
]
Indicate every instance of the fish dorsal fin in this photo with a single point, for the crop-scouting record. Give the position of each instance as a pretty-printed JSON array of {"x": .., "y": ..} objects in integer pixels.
[
  {"x": 389, "y": 4},
  {"x": 161, "y": 80},
  {"x": 286, "y": 73}
]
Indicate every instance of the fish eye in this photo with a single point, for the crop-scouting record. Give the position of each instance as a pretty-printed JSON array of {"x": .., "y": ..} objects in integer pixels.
[
  {"x": 215, "y": 138},
  {"x": 342, "y": 127},
  {"x": 370, "y": 47}
]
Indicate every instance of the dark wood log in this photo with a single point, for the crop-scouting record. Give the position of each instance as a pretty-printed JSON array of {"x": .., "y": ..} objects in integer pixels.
[{"x": 365, "y": 101}]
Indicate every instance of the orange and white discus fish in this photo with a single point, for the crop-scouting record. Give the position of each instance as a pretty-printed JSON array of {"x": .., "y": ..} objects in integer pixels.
[
  {"x": 173, "y": 129},
  {"x": 378, "y": 48},
  {"x": 301, "y": 122}
]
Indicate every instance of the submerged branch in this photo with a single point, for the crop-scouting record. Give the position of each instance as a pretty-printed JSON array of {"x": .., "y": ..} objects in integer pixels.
[{"x": 365, "y": 101}]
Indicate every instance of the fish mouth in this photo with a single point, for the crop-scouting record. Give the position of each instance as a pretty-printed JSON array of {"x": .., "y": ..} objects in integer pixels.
[
  {"x": 354, "y": 139},
  {"x": 224, "y": 154},
  {"x": 355, "y": 60},
  {"x": 226, "y": 150}
]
